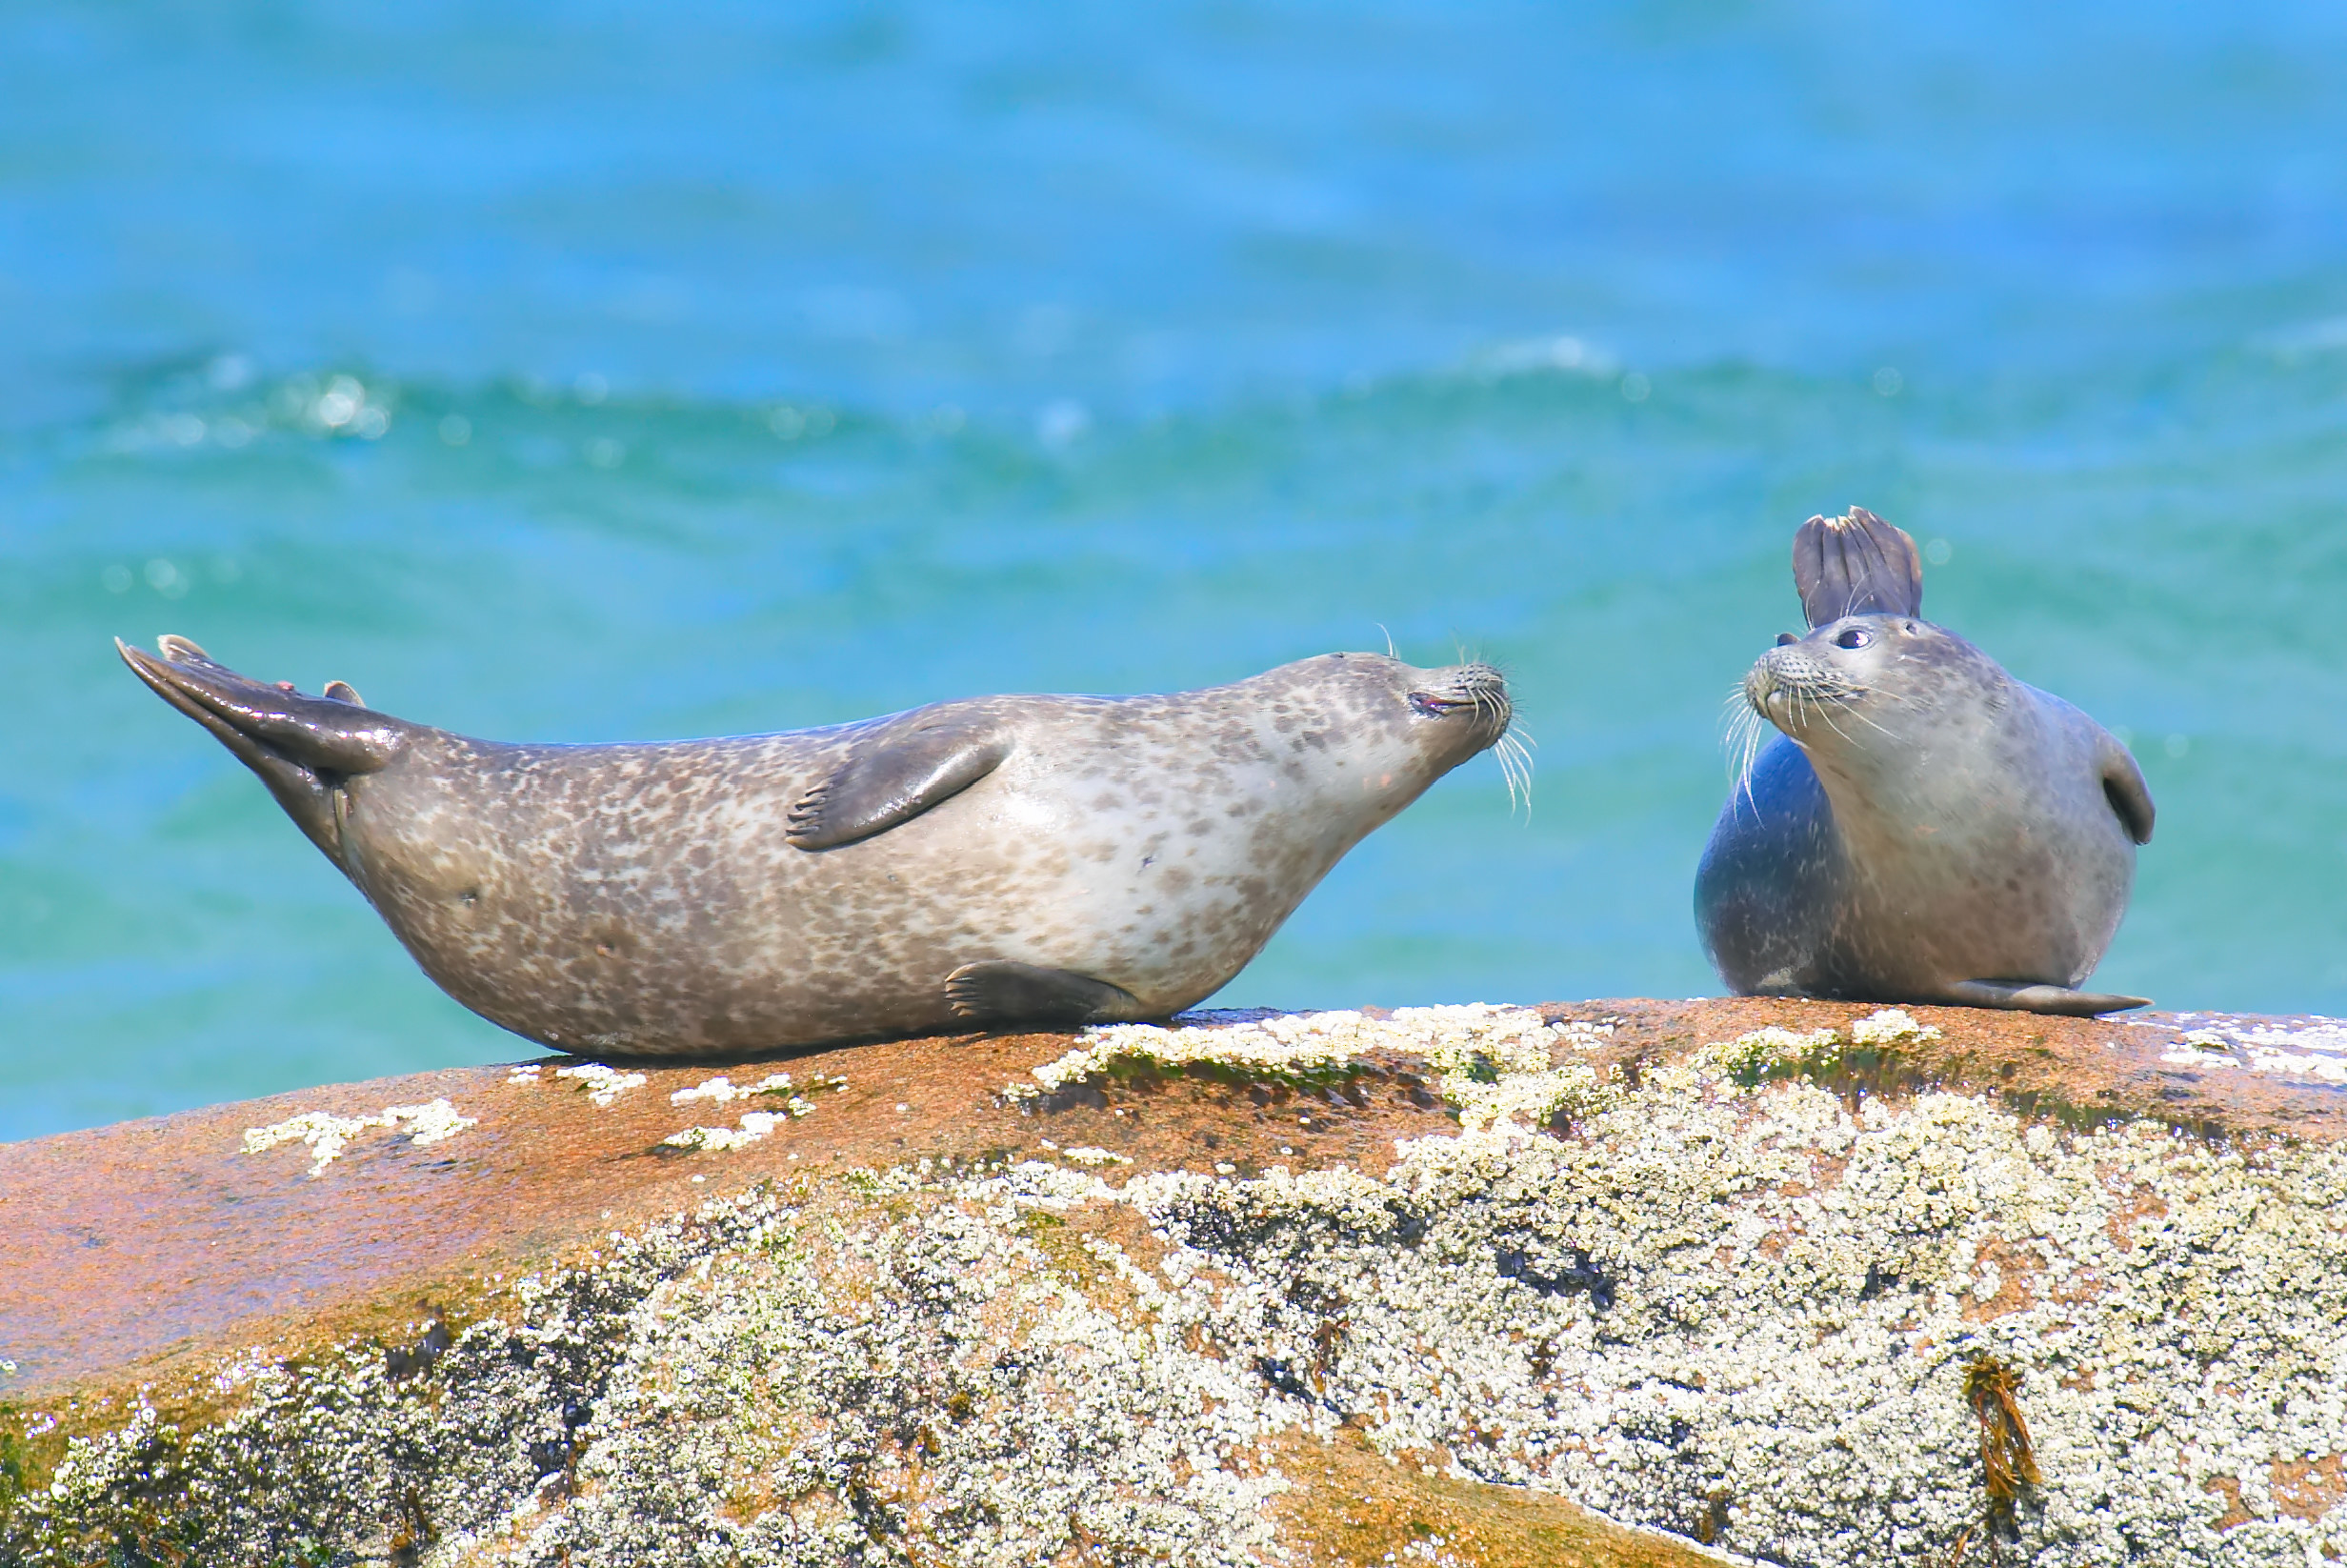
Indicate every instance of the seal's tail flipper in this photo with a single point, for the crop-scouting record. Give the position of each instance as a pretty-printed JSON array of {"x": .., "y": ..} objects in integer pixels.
[
  {"x": 302, "y": 746},
  {"x": 2018, "y": 997},
  {"x": 1855, "y": 565}
]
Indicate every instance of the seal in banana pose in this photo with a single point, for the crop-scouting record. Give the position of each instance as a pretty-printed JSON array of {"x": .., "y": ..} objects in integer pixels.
[
  {"x": 1926, "y": 829},
  {"x": 1049, "y": 860}
]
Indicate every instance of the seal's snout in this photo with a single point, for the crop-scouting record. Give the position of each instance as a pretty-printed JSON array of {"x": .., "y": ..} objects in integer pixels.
[
  {"x": 1790, "y": 679},
  {"x": 1478, "y": 691}
]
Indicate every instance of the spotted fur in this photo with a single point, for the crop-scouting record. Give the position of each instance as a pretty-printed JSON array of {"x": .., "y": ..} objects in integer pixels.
[{"x": 651, "y": 899}]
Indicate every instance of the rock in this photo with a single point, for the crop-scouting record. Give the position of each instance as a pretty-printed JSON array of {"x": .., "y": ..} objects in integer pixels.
[{"x": 1605, "y": 1282}]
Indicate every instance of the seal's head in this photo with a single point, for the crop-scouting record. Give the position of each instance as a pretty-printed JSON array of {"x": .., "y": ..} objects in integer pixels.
[
  {"x": 1460, "y": 710},
  {"x": 1888, "y": 676},
  {"x": 1397, "y": 728},
  {"x": 1871, "y": 678}
]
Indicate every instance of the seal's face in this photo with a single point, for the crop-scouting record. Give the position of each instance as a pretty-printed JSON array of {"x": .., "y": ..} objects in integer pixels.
[
  {"x": 1456, "y": 711},
  {"x": 1453, "y": 714},
  {"x": 1859, "y": 680},
  {"x": 1395, "y": 727}
]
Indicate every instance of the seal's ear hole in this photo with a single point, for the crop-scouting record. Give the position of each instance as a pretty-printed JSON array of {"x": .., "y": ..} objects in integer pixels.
[{"x": 1786, "y": 639}]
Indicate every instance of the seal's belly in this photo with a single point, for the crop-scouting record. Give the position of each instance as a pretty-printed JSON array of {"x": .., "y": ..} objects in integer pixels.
[
  {"x": 2032, "y": 899},
  {"x": 657, "y": 908}
]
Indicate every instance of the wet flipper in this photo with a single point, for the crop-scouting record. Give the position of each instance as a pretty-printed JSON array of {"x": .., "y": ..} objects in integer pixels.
[
  {"x": 894, "y": 776},
  {"x": 2124, "y": 787},
  {"x": 1855, "y": 565},
  {"x": 2021, "y": 996},
  {"x": 303, "y": 747},
  {"x": 998, "y": 993}
]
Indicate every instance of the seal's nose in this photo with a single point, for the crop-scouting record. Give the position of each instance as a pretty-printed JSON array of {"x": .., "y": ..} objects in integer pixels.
[{"x": 1775, "y": 678}]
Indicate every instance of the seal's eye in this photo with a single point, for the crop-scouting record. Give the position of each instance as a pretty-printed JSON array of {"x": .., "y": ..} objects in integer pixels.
[{"x": 1853, "y": 636}]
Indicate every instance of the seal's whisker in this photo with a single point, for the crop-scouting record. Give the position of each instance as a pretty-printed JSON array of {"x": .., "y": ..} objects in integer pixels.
[
  {"x": 1515, "y": 768},
  {"x": 1743, "y": 725},
  {"x": 1859, "y": 715},
  {"x": 1827, "y": 714},
  {"x": 1750, "y": 728},
  {"x": 1733, "y": 714}
]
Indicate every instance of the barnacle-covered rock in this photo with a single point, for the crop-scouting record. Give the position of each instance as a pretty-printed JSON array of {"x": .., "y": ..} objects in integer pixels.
[{"x": 1610, "y": 1282}]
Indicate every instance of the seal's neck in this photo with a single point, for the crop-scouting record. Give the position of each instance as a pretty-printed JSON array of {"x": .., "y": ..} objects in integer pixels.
[{"x": 1909, "y": 774}]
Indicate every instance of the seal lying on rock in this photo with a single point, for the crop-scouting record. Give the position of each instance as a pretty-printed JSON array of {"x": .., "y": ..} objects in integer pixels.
[
  {"x": 999, "y": 860},
  {"x": 1926, "y": 829}
]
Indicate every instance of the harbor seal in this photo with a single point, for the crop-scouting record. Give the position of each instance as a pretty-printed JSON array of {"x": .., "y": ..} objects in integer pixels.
[
  {"x": 1926, "y": 828},
  {"x": 1048, "y": 860}
]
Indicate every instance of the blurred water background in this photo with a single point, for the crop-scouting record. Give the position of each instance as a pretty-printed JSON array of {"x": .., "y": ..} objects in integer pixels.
[{"x": 628, "y": 372}]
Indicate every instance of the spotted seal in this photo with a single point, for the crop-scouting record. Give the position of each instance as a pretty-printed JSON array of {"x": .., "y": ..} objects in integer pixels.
[
  {"x": 1001, "y": 860},
  {"x": 1926, "y": 828}
]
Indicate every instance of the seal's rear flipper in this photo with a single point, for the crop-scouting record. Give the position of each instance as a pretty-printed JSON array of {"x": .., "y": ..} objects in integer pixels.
[
  {"x": 894, "y": 776},
  {"x": 999, "y": 992},
  {"x": 303, "y": 747},
  {"x": 2020, "y": 997},
  {"x": 1855, "y": 565}
]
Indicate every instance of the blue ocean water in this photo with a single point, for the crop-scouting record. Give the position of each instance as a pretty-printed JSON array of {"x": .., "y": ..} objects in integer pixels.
[{"x": 623, "y": 371}]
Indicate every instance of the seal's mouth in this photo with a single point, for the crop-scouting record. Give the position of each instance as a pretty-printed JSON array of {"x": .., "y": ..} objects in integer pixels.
[
  {"x": 1475, "y": 689},
  {"x": 1475, "y": 698}
]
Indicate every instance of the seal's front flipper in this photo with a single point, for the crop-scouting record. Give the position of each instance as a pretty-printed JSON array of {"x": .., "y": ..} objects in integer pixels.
[
  {"x": 1855, "y": 565},
  {"x": 998, "y": 993},
  {"x": 2124, "y": 787},
  {"x": 2019, "y": 997},
  {"x": 303, "y": 747},
  {"x": 894, "y": 776}
]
